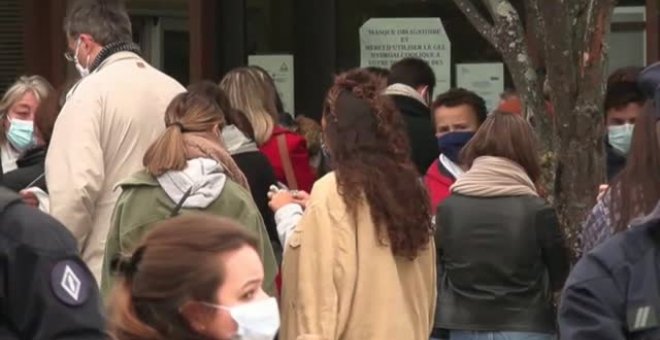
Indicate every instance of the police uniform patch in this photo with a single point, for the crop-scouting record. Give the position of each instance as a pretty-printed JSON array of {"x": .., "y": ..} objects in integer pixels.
[
  {"x": 642, "y": 318},
  {"x": 70, "y": 283}
]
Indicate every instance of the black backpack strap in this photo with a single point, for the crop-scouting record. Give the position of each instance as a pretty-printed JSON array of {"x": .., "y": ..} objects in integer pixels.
[{"x": 7, "y": 198}]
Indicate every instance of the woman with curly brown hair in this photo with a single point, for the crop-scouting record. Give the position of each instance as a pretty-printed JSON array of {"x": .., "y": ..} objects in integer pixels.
[{"x": 359, "y": 263}]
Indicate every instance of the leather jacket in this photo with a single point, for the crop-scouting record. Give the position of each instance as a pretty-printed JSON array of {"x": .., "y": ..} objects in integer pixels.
[{"x": 500, "y": 261}]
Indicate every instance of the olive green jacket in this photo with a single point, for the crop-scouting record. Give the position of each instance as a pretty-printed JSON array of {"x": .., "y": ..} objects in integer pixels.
[{"x": 143, "y": 202}]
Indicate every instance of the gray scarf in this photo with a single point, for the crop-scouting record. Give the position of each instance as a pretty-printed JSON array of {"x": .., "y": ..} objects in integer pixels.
[{"x": 236, "y": 141}]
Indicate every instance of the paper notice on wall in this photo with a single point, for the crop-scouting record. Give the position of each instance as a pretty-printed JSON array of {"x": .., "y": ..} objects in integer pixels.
[
  {"x": 485, "y": 79},
  {"x": 280, "y": 67},
  {"x": 384, "y": 41}
]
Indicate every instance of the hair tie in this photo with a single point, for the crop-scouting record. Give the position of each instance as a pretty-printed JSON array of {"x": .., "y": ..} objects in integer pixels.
[{"x": 178, "y": 125}]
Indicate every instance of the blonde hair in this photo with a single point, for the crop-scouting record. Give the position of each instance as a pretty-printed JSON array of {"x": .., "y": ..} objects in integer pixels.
[
  {"x": 188, "y": 112},
  {"x": 38, "y": 85},
  {"x": 252, "y": 92}
]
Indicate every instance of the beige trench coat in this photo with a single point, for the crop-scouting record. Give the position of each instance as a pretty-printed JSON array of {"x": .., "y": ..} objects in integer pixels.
[
  {"x": 110, "y": 119},
  {"x": 340, "y": 282}
]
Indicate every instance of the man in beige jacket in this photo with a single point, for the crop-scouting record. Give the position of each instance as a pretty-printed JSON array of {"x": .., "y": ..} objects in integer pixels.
[{"x": 109, "y": 120}]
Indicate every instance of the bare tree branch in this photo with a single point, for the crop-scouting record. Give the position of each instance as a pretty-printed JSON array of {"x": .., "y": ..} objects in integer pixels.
[
  {"x": 490, "y": 6},
  {"x": 477, "y": 20}
]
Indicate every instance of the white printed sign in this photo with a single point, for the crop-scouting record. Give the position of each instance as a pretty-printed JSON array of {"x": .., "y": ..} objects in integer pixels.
[
  {"x": 384, "y": 41},
  {"x": 486, "y": 80},
  {"x": 280, "y": 68}
]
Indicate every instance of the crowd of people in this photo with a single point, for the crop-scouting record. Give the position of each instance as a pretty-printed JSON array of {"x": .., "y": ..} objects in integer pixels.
[{"x": 134, "y": 208}]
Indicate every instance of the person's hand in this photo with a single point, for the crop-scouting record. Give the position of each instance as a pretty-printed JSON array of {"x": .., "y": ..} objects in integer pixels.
[
  {"x": 29, "y": 198},
  {"x": 601, "y": 190},
  {"x": 280, "y": 199},
  {"x": 300, "y": 197}
]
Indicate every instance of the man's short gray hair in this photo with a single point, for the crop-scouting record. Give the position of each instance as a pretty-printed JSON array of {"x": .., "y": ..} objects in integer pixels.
[{"x": 105, "y": 20}]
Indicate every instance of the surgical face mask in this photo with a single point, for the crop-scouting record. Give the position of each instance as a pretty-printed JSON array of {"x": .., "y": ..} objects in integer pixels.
[
  {"x": 21, "y": 134},
  {"x": 84, "y": 71},
  {"x": 620, "y": 136},
  {"x": 257, "y": 320}
]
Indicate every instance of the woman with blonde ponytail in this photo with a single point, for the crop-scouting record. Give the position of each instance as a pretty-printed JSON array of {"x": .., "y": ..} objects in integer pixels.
[{"x": 187, "y": 169}]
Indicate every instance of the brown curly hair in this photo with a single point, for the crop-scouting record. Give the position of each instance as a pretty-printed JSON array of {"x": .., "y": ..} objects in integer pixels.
[{"x": 366, "y": 138}]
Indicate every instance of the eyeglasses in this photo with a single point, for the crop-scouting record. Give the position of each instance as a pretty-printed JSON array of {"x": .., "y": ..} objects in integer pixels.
[{"x": 68, "y": 55}]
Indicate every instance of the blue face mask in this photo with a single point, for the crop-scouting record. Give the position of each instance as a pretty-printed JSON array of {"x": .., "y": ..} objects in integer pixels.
[
  {"x": 619, "y": 137},
  {"x": 452, "y": 143},
  {"x": 21, "y": 134}
]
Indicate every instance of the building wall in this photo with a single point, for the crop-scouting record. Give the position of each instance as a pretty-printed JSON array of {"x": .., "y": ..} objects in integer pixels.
[
  {"x": 11, "y": 42},
  {"x": 220, "y": 34}
]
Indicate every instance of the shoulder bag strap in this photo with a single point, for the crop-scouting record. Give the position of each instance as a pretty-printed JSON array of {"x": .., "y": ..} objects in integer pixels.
[{"x": 286, "y": 162}]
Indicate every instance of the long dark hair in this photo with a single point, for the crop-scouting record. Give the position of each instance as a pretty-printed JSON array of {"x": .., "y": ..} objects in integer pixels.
[
  {"x": 175, "y": 264},
  {"x": 370, "y": 153},
  {"x": 636, "y": 190}
]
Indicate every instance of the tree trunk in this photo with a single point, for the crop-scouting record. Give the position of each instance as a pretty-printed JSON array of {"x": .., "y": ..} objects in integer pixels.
[
  {"x": 581, "y": 149},
  {"x": 573, "y": 35}
]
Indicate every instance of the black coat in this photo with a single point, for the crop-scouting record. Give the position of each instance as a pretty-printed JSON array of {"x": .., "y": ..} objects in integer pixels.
[
  {"x": 421, "y": 132},
  {"x": 500, "y": 259},
  {"x": 31, "y": 167},
  {"x": 46, "y": 290},
  {"x": 613, "y": 293},
  {"x": 260, "y": 176}
]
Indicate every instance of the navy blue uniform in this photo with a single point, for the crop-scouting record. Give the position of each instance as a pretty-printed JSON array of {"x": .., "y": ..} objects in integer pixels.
[
  {"x": 46, "y": 291},
  {"x": 614, "y": 291}
]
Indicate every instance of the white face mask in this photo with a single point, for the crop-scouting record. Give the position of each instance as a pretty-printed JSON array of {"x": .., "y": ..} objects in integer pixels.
[
  {"x": 84, "y": 71},
  {"x": 257, "y": 320}
]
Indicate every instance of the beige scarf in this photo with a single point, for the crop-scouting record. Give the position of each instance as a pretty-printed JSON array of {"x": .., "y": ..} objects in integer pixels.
[
  {"x": 202, "y": 145},
  {"x": 493, "y": 177},
  {"x": 406, "y": 91}
]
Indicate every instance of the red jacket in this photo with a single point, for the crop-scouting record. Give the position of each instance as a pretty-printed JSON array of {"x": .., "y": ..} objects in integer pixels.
[
  {"x": 437, "y": 184},
  {"x": 297, "y": 147}
]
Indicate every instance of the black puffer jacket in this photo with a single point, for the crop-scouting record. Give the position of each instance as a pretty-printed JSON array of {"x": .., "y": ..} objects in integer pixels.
[{"x": 500, "y": 260}]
